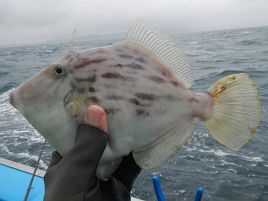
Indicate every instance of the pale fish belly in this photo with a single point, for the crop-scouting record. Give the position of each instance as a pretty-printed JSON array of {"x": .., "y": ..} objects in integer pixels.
[{"x": 142, "y": 99}]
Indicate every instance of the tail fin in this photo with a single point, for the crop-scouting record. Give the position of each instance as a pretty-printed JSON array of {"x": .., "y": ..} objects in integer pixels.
[{"x": 237, "y": 110}]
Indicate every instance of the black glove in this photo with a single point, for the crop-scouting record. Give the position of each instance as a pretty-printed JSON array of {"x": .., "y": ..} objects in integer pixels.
[{"x": 73, "y": 177}]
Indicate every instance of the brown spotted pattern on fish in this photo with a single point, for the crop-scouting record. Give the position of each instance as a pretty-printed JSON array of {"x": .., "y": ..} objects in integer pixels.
[{"x": 110, "y": 72}]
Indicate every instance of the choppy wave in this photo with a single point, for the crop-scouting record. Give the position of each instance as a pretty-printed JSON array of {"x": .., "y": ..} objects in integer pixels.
[{"x": 19, "y": 141}]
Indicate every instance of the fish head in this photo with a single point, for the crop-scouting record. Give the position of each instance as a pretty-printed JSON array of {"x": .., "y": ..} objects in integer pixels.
[{"x": 48, "y": 101}]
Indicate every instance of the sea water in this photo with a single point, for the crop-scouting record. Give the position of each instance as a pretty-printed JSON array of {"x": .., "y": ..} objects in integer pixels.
[{"x": 224, "y": 174}]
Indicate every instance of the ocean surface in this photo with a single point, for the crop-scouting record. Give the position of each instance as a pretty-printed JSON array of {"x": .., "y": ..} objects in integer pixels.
[{"x": 224, "y": 174}]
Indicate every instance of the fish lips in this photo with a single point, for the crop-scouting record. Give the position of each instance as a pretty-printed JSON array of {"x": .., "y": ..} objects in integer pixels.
[{"x": 11, "y": 95}]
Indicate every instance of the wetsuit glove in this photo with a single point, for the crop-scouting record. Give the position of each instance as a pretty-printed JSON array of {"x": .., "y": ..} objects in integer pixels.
[{"x": 73, "y": 177}]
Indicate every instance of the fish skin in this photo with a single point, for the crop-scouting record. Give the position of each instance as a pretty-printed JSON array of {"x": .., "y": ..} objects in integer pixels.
[{"x": 137, "y": 92}]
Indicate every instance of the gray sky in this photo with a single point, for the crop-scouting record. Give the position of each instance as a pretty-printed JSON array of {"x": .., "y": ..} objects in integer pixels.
[{"x": 24, "y": 21}]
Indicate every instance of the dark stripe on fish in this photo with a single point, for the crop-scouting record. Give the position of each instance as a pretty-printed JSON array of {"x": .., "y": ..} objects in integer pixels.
[
  {"x": 177, "y": 84},
  {"x": 135, "y": 66},
  {"x": 146, "y": 96},
  {"x": 118, "y": 66},
  {"x": 88, "y": 62},
  {"x": 111, "y": 110},
  {"x": 156, "y": 79},
  {"x": 91, "y": 89},
  {"x": 137, "y": 102},
  {"x": 165, "y": 72},
  {"x": 115, "y": 75},
  {"x": 90, "y": 79},
  {"x": 115, "y": 97},
  {"x": 142, "y": 112},
  {"x": 141, "y": 59},
  {"x": 132, "y": 66},
  {"x": 126, "y": 56},
  {"x": 134, "y": 101}
]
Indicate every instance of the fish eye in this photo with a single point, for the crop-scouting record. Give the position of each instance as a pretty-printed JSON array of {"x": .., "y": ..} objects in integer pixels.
[{"x": 60, "y": 70}]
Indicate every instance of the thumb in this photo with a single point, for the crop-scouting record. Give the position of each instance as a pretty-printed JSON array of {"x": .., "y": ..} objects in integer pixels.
[{"x": 96, "y": 116}]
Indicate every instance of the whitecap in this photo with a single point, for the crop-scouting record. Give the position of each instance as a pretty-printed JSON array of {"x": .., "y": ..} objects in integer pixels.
[{"x": 252, "y": 159}]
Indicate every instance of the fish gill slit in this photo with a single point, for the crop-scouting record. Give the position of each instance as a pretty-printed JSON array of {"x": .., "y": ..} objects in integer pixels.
[{"x": 67, "y": 98}]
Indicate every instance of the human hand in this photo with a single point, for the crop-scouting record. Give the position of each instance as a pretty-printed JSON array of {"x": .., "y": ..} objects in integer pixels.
[{"x": 73, "y": 177}]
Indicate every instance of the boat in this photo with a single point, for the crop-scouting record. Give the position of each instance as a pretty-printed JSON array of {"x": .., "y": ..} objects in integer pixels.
[
  {"x": 15, "y": 179},
  {"x": 19, "y": 182}
]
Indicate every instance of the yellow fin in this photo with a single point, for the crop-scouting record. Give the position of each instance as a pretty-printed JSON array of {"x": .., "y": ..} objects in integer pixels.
[
  {"x": 162, "y": 48},
  {"x": 237, "y": 110},
  {"x": 74, "y": 107}
]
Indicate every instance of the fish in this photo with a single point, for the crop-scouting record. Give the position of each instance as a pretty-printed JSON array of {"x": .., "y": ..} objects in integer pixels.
[{"x": 143, "y": 84}]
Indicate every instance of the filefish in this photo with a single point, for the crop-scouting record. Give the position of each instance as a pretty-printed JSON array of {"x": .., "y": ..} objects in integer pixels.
[{"x": 143, "y": 85}]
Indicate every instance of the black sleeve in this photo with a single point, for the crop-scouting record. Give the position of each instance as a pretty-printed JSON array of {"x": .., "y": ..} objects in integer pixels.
[{"x": 70, "y": 177}]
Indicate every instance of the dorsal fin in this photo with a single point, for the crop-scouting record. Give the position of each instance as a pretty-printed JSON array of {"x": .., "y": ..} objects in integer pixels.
[{"x": 163, "y": 48}]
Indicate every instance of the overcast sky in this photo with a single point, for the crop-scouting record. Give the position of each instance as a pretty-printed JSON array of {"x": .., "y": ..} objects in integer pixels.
[{"x": 23, "y": 21}]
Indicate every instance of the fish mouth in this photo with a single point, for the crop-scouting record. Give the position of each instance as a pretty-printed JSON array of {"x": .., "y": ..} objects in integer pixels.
[{"x": 11, "y": 98}]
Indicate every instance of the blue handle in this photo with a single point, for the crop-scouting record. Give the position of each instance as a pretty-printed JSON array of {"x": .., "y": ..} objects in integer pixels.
[
  {"x": 161, "y": 197},
  {"x": 157, "y": 189},
  {"x": 198, "y": 194}
]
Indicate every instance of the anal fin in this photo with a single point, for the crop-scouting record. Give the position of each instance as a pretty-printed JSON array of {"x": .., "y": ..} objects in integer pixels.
[{"x": 155, "y": 154}]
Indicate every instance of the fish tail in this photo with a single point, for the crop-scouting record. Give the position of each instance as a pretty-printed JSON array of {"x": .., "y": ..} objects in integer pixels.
[{"x": 236, "y": 111}]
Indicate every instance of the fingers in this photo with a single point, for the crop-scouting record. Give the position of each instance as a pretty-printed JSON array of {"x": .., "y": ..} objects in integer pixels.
[
  {"x": 55, "y": 159},
  {"x": 96, "y": 116},
  {"x": 127, "y": 171}
]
